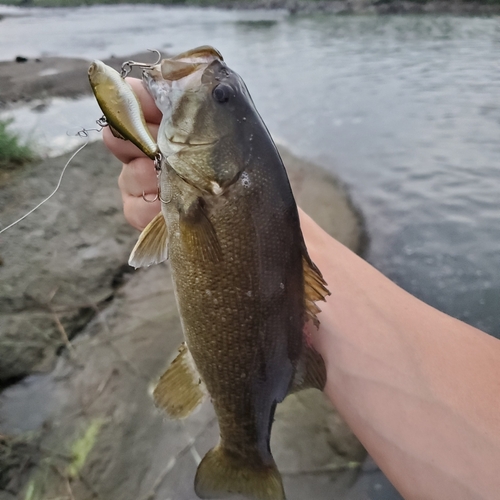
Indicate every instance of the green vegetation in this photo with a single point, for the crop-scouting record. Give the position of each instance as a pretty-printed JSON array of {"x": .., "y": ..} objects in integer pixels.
[
  {"x": 55, "y": 470},
  {"x": 82, "y": 446},
  {"x": 12, "y": 152}
]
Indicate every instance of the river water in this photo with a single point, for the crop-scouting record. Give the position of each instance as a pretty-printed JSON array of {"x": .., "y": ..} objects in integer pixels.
[{"x": 405, "y": 109}]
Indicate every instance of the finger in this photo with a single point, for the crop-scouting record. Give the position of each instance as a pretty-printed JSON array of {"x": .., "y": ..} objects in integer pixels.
[
  {"x": 125, "y": 151},
  {"x": 139, "y": 213},
  {"x": 138, "y": 177},
  {"x": 151, "y": 113}
]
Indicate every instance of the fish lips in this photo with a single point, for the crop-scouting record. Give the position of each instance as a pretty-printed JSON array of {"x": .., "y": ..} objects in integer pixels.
[{"x": 184, "y": 64}]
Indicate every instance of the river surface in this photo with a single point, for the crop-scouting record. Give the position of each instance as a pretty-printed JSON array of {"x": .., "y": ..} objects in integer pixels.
[{"x": 406, "y": 110}]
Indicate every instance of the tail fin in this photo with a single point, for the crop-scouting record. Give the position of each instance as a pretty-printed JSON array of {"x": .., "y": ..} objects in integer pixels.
[{"x": 220, "y": 475}]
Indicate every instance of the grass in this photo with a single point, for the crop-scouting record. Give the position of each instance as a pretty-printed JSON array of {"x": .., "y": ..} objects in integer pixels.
[
  {"x": 82, "y": 446},
  {"x": 12, "y": 152}
]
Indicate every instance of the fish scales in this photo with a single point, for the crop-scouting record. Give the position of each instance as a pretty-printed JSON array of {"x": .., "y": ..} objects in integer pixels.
[
  {"x": 245, "y": 285},
  {"x": 243, "y": 316}
]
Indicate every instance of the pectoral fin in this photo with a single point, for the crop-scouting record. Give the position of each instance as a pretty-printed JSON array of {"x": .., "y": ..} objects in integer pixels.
[
  {"x": 151, "y": 248},
  {"x": 314, "y": 287},
  {"x": 180, "y": 389},
  {"x": 198, "y": 235}
]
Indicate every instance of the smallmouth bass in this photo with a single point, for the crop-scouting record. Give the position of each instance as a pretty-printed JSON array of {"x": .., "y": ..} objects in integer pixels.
[{"x": 244, "y": 282}]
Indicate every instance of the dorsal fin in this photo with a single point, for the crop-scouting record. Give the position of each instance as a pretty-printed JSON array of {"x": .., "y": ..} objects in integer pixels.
[{"x": 315, "y": 287}]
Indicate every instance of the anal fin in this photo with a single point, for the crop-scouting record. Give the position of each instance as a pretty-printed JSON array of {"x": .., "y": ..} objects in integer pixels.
[
  {"x": 311, "y": 371},
  {"x": 151, "y": 247},
  {"x": 180, "y": 389}
]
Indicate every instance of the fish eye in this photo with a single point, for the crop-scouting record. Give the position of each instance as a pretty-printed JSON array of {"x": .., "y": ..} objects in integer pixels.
[{"x": 222, "y": 92}]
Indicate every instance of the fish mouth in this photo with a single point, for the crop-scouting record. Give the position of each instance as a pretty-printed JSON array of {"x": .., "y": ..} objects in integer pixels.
[
  {"x": 203, "y": 53},
  {"x": 189, "y": 143},
  {"x": 183, "y": 65},
  {"x": 174, "y": 79}
]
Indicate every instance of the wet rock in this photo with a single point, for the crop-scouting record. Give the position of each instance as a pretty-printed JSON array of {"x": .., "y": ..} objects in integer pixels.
[
  {"x": 105, "y": 385},
  {"x": 306, "y": 421},
  {"x": 18, "y": 454},
  {"x": 62, "y": 261}
]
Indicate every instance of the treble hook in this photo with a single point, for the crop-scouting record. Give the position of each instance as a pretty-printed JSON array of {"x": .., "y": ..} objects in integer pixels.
[
  {"x": 157, "y": 197},
  {"x": 157, "y": 163},
  {"x": 128, "y": 65},
  {"x": 154, "y": 199},
  {"x": 165, "y": 202}
]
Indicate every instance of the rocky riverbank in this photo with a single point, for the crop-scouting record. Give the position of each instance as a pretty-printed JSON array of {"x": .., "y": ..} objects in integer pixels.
[
  {"x": 373, "y": 7},
  {"x": 28, "y": 79}
]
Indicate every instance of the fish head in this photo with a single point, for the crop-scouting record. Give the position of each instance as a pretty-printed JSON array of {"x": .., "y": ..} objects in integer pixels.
[{"x": 207, "y": 111}]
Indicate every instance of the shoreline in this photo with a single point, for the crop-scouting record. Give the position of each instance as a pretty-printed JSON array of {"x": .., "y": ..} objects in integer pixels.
[
  {"x": 305, "y": 7},
  {"x": 48, "y": 77},
  {"x": 370, "y": 7}
]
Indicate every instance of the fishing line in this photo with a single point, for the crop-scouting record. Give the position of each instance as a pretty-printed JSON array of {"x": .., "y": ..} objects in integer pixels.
[{"x": 51, "y": 194}]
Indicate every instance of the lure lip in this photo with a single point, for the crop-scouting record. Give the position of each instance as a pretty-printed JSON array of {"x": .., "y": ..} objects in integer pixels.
[{"x": 95, "y": 68}]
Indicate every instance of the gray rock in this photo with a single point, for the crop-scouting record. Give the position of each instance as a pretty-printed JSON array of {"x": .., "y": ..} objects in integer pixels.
[
  {"x": 94, "y": 410},
  {"x": 61, "y": 261}
]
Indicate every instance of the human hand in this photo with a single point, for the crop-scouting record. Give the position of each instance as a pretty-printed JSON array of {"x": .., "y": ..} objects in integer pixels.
[{"x": 138, "y": 175}]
